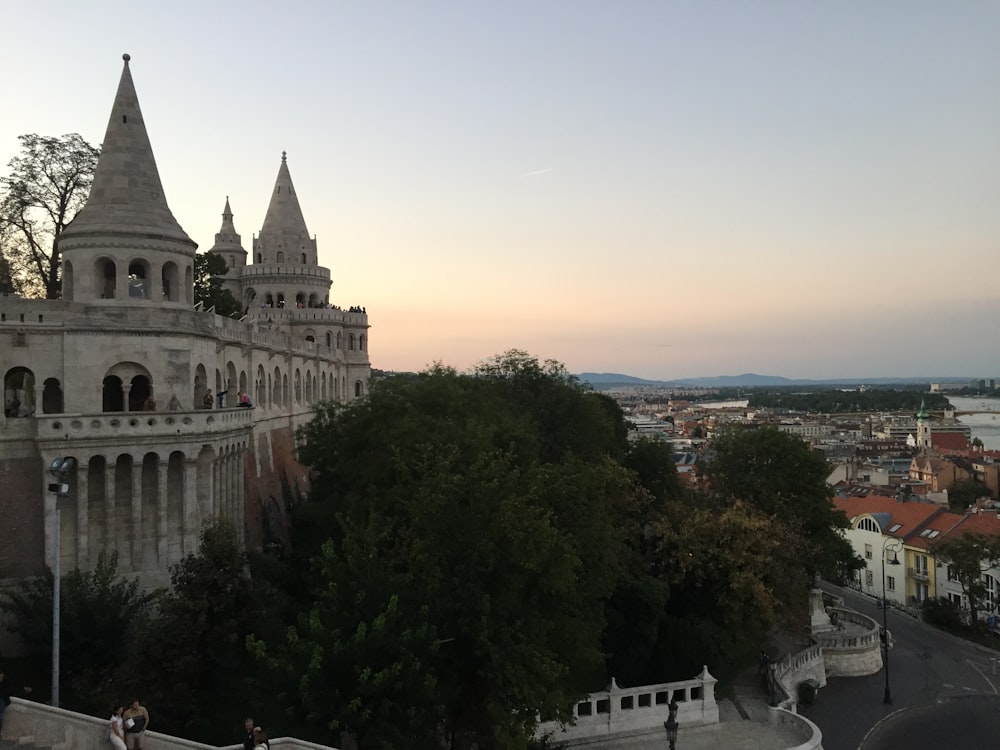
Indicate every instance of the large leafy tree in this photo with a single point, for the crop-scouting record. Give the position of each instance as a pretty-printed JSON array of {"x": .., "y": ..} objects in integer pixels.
[
  {"x": 780, "y": 476},
  {"x": 100, "y": 616},
  {"x": 965, "y": 493},
  {"x": 465, "y": 532},
  {"x": 968, "y": 557},
  {"x": 208, "y": 290},
  {"x": 47, "y": 184},
  {"x": 190, "y": 664}
]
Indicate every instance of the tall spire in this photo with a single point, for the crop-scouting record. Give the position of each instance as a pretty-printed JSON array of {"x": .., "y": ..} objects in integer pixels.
[
  {"x": 127, "y": 197},
  {"x": 227, "y": 239},
  {"x": 284, "y": 217}
]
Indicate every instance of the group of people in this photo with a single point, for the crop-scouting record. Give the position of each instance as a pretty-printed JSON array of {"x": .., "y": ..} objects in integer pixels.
[
  {"x": 255, "y": 738},
  {"x": 128, "y": 726},
  {"x": 219, "y": 399},
  {"x": 174, "y": 404}
]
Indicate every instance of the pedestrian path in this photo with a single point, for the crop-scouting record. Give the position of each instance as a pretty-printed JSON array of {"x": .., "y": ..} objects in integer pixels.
[{"x": 744, "y": 717}]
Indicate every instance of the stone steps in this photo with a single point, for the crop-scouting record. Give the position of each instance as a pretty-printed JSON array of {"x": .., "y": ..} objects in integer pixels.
[{"x": 22, "y": 743}]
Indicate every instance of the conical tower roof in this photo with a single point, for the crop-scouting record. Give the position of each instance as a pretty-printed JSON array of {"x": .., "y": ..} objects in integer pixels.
[
  {"x": 922, "y": 414},
  {"x": 127, "y": 197},
  {"x": 284, "y": 216},
  {"x": 227, "y": 239}
]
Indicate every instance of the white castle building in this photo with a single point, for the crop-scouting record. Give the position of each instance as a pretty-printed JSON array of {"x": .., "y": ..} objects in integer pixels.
[{"x": 78, "y": 373}]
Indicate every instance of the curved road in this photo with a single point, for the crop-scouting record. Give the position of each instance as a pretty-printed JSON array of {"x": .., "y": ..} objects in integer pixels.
[{"x": 926, "y": 666}]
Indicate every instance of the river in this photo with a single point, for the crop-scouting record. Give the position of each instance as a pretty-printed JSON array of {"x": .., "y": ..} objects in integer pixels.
[{"x": 986, "y": 427}]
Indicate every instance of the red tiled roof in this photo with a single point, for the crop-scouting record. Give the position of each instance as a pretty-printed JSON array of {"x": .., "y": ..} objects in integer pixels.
[
  {"x": 911, "y": 516},
  {"x": 983, "y": 522},
  {"x": 949, "y": 441}
]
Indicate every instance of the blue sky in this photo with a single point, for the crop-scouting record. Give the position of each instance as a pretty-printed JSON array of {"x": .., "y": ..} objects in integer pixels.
[{"x": 667, "y": 189}]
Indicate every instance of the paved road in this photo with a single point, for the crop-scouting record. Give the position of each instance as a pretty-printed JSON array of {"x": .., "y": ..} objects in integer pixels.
[{"x": 926, "y": 666}]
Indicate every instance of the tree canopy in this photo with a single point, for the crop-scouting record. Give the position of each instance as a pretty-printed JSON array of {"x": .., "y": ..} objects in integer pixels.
[
  {"x": 968, "y": 556},
  {"x": 487, "y": 508},
  {"x": 208, "y": 289},
  {"x": 47, "y": 185},
  {"x": 779, "y": 474}
]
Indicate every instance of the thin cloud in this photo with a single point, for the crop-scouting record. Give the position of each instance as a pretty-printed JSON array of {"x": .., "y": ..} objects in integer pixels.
[{"x": 537, "y": 172}]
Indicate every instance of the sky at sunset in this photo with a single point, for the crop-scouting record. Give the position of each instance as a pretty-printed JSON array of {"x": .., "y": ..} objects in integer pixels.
[{"x": 659, "y": 188}]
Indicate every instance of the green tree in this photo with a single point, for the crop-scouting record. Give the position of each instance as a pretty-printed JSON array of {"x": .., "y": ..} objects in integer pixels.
[
  {"x": 968, "y": 556},
  {"x": 778, "y": 474},
  {"x": 471, "y": 525},
  {"x": 98, "y": 608},
  {"x": 208, "y": 270},
  {"x": 734, "y": 573},
  {"x": 48, "y": 183},
  {"x": 191, "y": 662},
  {"x": 965, "y": 492}
]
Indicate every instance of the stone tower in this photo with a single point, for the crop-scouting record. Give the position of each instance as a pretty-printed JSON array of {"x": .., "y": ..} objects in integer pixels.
[{"x": 125, "y": 247}]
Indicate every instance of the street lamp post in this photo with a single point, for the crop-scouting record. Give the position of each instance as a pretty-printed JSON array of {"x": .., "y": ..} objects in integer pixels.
[
  {"x": 894, "y": 545},
  {"x": 60, "y": 468}
]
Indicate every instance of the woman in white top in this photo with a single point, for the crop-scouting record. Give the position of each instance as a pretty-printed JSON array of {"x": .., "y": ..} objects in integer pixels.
[{"x": 116, "y": 729}]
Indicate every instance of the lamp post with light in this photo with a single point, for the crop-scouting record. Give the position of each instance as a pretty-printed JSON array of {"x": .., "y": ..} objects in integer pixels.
[
  {"x": 60, "y": 468},
  {"x": 893, "y": 545}
]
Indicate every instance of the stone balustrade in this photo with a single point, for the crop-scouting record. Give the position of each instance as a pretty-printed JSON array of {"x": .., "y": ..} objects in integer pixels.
[
  {"x": 283, "y": 270},
  {"x": 794, "y": 669},
  {"x": 800, "y": 726},
  {"x": 59, "y": 729},
  {"x": 854, "y": 649},
  {"x": 638, "y": 710},
  {"x": 136, "y": 425}
]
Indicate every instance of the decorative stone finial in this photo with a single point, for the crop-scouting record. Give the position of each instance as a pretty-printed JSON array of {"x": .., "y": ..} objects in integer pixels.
[
  {"x": 283, "y": 155},
  {"x": 126, "y": 57}
]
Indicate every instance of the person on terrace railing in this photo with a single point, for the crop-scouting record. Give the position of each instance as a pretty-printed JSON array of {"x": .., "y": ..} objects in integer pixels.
[{"x": 116, "y": 729}]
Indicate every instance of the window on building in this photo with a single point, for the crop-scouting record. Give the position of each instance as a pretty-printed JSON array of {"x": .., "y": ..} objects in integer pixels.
[
  {"x": 869, "y": 579},
  {"x": 868, "y": 552},
  {"x": 890, "y": 583}
]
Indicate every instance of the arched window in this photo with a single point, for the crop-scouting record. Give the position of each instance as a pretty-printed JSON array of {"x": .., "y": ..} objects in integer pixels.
[
  {"x": 52, "y": 397},
  {"x": 303, "y": 258},
  {"x": 19, "y": 392},
  {"x": 280, "y": 257},
  {"x": 170, "y": 282},
  {"x": 67, "y": 280},
  {"x": 138, "y": 288},
  {"x": 358, "y": 388},
  {"x": 361, "y": 342},
  {"x": 350, "y": 342},
  {"x": 328, "y": 339},
  {"x": 113, "y": 398},
  {"x": 105, "y": 275}
]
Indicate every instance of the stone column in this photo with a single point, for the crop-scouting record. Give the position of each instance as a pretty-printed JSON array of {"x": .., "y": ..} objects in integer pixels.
[
  {"x": 191, "y": 519},
  {"x": 126, "y": 389},
  {"x": 83, "y": 514},
  {"x": 162, "y": 502},
  {"x": 113, "y": 541},
  {"x": 37, "y": 406},
  {"x": 137, "y": 540},
  {"x": 240, "y": 514}
]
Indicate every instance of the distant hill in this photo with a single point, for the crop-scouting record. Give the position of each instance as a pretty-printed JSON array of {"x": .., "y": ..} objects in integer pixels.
[{"x": 746, "y": 380}]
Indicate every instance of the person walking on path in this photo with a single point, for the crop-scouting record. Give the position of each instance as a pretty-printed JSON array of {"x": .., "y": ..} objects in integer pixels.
[
  {"x": 116, "y": 729},
  {"x": 6, "y": 691},
  {"x": 136, "y": 723},
  {"x": 248, "y": 743}
]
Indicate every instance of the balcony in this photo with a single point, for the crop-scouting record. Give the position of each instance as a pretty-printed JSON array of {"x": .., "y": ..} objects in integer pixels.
[
  {"x": 918, "y": 574},
  {"x": 141, "y": 426}
]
